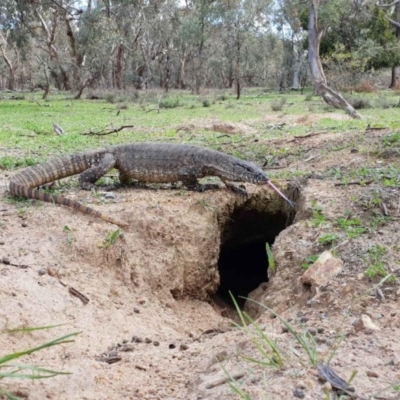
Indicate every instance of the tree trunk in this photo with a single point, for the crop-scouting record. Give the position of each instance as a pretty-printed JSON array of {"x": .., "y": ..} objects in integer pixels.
[
  {"x": 396, "y": 69},
  {"x": 182, "y": 76},
  {"x": 394, "y": 84},
  {"x": 12, "y": 67},
  {"x": 299, "y": 60},
  {"x": 314, "y": 41},
  {"x": 119, "y": 66},
  {"x": 47, "y": 87},
  {"x": 237, "y": 67},
  {"x": 320, "y": 86},
  {"x": 65, "y": 79}
]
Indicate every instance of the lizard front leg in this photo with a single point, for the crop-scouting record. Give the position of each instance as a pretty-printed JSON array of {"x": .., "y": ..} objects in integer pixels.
[
  {"x": 88, "y": 178},
  {"x": 234, "y": 188},
  {"x": 188, "y": 176}
]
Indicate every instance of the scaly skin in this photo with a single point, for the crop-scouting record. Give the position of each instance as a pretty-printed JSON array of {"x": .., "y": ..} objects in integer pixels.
[{"x": 145, "y": 162}]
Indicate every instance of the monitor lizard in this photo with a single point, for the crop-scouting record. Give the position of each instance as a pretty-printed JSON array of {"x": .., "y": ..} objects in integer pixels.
[{"x": 145, "y": 162}]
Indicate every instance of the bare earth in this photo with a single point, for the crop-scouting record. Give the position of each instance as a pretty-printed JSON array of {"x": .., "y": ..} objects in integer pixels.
[{"x": 153, "y": 285}]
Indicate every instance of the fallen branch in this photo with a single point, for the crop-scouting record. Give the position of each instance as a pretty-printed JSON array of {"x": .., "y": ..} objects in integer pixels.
[
  {"x": 108, "y": 131},
  {"x": 361, "y": 183},
  {"x": 307, "y": 136}
]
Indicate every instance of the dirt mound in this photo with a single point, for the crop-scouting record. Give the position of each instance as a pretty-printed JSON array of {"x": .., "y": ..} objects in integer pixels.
[
  {"x": 149, "y": 293},
  {"x": 229, "y": 128}
]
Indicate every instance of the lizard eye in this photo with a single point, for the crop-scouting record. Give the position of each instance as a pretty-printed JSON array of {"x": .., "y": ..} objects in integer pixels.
[{"x": 245, "y": 167}]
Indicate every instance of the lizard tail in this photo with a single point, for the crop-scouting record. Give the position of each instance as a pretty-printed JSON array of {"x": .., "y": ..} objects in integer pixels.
[{"x": 19, "y": 190}]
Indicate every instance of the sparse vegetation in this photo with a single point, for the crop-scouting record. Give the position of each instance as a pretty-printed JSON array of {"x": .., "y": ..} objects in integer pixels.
[
  {"x": 309, "y": 260},
  {"x": 328, "y": 238},
  {"x": 377, "y": 266},
  {"x": 277, "y": 105},
  {"x": 111, "y": 238},
  {"x": 318, "y": 217},
  {"x": 352, "y": 226},
  {"x": 26, "y": 371}
]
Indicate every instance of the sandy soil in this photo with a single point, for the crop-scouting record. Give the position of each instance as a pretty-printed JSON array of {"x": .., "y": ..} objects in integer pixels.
[{"x": 151, "y": 307}]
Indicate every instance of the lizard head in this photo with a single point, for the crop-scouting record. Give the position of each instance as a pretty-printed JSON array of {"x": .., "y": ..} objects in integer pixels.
[{"x": 251, "y": 173}]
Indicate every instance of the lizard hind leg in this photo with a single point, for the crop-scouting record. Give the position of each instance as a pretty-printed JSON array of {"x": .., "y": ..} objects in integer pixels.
[{"x": 88, "y": 178}]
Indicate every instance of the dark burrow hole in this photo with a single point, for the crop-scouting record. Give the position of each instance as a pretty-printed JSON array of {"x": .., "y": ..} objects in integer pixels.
[{"x": 243, "y": 261}]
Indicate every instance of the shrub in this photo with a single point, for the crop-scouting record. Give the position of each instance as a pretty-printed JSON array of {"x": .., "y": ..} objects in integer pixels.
[
  {"x": 278, "y": 104},
  {"x": 170, "y": 102},
  {"x": 365, "y": 87},
  {"x": 359, "y": 103}
]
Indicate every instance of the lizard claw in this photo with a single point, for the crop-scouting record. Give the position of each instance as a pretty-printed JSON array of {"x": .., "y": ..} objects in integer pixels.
[{"x": 237, "y": 189}]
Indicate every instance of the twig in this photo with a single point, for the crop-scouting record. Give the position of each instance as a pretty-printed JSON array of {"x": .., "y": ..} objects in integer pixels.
[
  {"x": 312, "y": 157},
  {"x": 82, "y": 297},
  {"x": 108, "y": 131}
]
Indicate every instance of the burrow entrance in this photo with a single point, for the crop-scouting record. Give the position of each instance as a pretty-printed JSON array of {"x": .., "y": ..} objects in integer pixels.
[{"x": 243, "y": 261}]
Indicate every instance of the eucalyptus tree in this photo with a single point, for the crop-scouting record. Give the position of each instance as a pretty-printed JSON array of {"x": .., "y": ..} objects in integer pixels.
[
  {"x": 14, "y": 38},
  {"x": 392, "y": 14},
  {"x": 292, "y": 33},
  {"x": 195, "y": 30},
  {"x": 322, "y": 13},
  {"x": 242, "y": 24}
]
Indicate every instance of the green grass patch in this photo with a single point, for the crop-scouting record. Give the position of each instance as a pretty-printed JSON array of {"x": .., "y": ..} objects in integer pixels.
[
  {"x": 377, "y": 265},
  {"x": 26, "y": 125}
]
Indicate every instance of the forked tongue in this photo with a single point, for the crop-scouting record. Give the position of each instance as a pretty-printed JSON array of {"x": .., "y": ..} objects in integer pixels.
[{"x": 292, "y": 204}]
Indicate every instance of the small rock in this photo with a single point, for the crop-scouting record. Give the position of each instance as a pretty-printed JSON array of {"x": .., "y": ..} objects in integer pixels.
[
  {"x": 6, "y": 261},
  {"x": 147, "y": 340},
  {"x": 52, "y": 271},
  {"x": 183, "y": 346},
  {"x": 221, "y": 356},
  {"x": 285, "y": 329},
  {"x": 110, "y": 195},
  {"x": 327, "y": 387},
  {"x": 113, "y": 353},
  {"x": 137, "y": 339},
  {"x": 172, "y": 346},
  {"x": 24, "y": 224},
  {"x": 364, "y": 322},
  {"x": 312, "y": 331},
  {"x": 360, "y": 276},
  {"x": 353, "y": 150},
  {"x": 125, "y": 341},
  {"x": 2, "y": 242},
  {"x": 300, "y": 385},
  {"x": 136, "y": 310},
  {"x": 372, "y": 374},
  {"x": 156, "y": 343},
  {"x": 127, "y": 347},
  {"x": 42, "y": 271},
  {"x": 320, "y": 273},
  {"x": 299, "y": 393},
  {"x": 395, "y": 360},
  {"x": 141, "y": 301}
]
